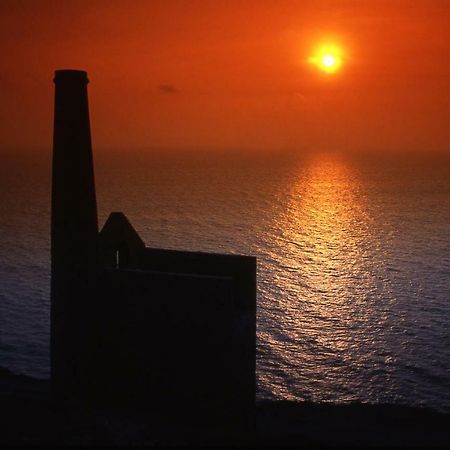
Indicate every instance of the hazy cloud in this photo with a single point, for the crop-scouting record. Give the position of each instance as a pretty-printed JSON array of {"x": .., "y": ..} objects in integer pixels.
[{"x": 168, "y": 89}]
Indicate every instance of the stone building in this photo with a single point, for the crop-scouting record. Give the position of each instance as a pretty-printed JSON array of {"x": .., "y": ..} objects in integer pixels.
[{"x": 132, "y": 326}]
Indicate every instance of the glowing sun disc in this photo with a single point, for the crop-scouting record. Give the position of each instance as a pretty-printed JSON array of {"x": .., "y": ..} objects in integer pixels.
[{"x": 327, "y": 58}]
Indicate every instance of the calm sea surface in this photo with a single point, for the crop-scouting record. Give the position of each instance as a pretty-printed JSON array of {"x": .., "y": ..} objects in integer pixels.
[{"x": 353, "y": 262}]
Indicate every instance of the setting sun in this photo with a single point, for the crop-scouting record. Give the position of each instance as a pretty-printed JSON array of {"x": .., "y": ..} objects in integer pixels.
[{"x": 327, "y": 58}]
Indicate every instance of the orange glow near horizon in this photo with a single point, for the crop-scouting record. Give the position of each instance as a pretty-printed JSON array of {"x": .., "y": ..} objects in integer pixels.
[
  {"x": 180, "y": 74},
  {"x": 328, "y": 58}
]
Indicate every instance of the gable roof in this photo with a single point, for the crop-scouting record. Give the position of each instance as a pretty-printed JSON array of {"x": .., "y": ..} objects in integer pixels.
[{"x": 117, "y": 230}]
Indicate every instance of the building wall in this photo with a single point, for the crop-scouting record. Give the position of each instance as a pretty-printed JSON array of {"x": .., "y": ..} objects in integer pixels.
[{"x": 167, "y": 341}]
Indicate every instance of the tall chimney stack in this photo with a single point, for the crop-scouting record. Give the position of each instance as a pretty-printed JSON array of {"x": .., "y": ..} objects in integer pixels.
[{"x": 74, "y": 227}]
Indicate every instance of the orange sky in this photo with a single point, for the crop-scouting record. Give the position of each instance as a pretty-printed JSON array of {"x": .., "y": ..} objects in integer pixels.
[{"x": 231, "y": 74}]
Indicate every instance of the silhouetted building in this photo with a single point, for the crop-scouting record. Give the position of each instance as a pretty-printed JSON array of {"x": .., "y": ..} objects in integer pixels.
[{"x": 134, "y": 326}]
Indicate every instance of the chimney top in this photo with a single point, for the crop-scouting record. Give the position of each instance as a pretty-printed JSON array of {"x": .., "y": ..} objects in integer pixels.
[{"x": 70, "y": 75}]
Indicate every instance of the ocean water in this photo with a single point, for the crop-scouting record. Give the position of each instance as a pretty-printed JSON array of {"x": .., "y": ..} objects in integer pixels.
[{"x": 353, "y": 261}]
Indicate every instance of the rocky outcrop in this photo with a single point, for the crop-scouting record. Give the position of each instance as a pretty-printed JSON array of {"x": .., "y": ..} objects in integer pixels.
[{"x": 30, "y": 418}]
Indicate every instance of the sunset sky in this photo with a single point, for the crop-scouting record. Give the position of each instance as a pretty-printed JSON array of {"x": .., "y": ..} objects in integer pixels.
[{"x": 231, "y": 74}]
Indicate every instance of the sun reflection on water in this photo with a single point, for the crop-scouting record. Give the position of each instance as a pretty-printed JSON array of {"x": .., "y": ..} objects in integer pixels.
[{"x": 326, "y": 257}]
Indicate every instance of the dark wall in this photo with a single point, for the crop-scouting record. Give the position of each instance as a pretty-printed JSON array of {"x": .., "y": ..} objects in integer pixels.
[
  {"x": 242, "y": 271},
  {"x": 241, "y": 268},
  {"x": 167, "y": 342}
]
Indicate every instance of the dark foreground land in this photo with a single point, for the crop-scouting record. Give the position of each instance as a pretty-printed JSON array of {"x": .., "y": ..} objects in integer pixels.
[{"x": 28, "y": 418}]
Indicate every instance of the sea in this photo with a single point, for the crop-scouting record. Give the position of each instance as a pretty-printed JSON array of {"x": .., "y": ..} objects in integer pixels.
[{"x": 353, "y": 298}]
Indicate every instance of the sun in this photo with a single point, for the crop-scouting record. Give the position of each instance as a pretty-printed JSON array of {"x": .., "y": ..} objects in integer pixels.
[
  {"x": 327, "y": 58},
  {"x": 329, "y": 61}
]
